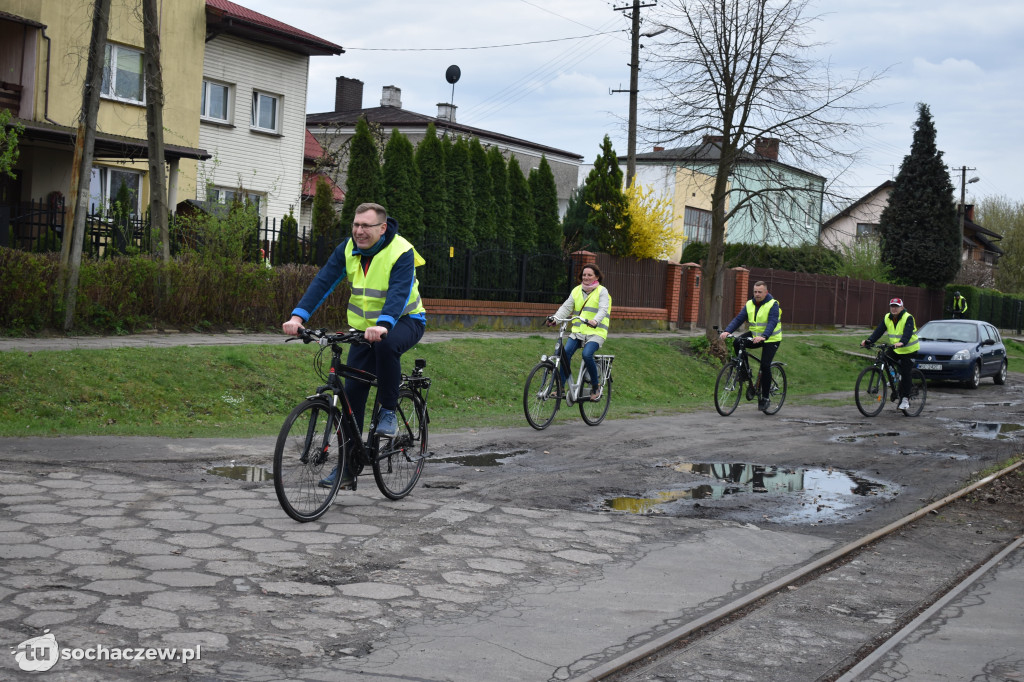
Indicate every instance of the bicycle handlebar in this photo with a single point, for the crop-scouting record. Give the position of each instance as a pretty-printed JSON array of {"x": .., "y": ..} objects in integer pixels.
[{"x": 325, "y": 338}]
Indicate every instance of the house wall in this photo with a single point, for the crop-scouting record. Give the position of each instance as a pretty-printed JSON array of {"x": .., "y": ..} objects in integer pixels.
[
  {"x": 68, "y": 25},
  {"x": 843, "y": 230},
  {"x": 261, "y": 162}
]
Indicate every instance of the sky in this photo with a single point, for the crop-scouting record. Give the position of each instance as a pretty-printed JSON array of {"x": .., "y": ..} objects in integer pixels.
[{"x": 542, "y": 70}]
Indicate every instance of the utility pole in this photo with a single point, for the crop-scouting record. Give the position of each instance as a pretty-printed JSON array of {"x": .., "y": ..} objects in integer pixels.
[
  {"x": 963, "y": 208},
  {"x": 634, "y": 84},
  {"x": 85, "y": 141}
]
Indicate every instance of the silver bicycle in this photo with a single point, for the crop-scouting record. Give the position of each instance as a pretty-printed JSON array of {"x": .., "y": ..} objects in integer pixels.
[{"x": 544, "y": 391}]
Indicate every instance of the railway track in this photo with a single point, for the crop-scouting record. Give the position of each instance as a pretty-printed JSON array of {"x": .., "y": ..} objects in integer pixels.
[{"x": 819, "y": 621}]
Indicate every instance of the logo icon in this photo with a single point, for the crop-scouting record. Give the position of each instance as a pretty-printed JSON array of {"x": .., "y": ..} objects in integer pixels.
[{"x": 37, "y": 654}]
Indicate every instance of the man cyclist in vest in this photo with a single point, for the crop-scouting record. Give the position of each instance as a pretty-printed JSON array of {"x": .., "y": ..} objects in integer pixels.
[
  {"x": 959, "y": 306},
  {"x": 385, "y": 305},
  {"x": 764, "y": 317},
  {"x": 902, "y": 331}
]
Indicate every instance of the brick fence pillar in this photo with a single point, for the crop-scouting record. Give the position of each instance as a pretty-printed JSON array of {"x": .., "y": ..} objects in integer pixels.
[
  {"x": 579, "y": 260},
  {"x": 742, "y": 283},
  {"x": 691, "y": 304},
  {"x": 673, "y": 293}
]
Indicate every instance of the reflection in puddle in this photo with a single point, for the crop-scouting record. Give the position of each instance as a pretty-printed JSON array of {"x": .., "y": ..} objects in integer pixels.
[
  {"x": 485, "y": 459},
  {"x": 820, "y": 489},
  {"x": 992, "y": 430},
  {"x": 856, "y": 438},
  {"x": 242, "y": 473}
]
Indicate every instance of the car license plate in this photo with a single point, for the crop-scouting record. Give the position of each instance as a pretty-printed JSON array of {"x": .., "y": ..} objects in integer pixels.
[{"x": 936, "y": 368}]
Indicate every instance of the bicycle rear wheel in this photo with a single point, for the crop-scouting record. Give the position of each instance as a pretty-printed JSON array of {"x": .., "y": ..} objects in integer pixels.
[
  {"x": 308, "y": 447},
  {"x": 918, "y": 393},
  {"x": 727, "y": 390},
  {"x": 540, "y": 396},
  {"x": 870, "y": 391},
  {"x": 594, "y": 411},
  {"x": 399, "y": 461},
  {"x": 777, "y": 390}
]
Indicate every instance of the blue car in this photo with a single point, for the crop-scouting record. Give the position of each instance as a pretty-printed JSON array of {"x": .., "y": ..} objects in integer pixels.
[{"x": 961, "y": 350}]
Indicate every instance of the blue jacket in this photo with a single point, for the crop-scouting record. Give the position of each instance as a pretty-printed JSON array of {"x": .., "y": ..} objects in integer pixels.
[
  {"x": 400, "y": 283},
  {"x": 773, "y": 318}
]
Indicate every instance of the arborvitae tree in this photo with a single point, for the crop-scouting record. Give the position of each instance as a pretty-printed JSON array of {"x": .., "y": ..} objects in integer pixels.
[
  {"x": 520, "y": 208},
  {"x": 323, "y": 218},
  {"x": 402, "y": 186},
  {"x": 364, "y": 182},
  {"x": 460, "y": 185},
  {"x": 483, "y": 193},
  {"x": 433, "y": 186},
  {"x": 919, "y": 230},
  {"x": 286, "y": 249},
  {"x": 574, "y": 224},
  {"x": 608, "y": 220},
  {"x": 545, "y": 206},
  {"x": 499, "y": 181}
]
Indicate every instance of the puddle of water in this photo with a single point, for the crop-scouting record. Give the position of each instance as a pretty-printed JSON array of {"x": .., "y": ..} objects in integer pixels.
[
  {"x": 823, "y": 491},
  {"x": 856, "y": 438},
  {"x": 242, "y": 473},
  {"x": 992, "y": 430},
  {"x": 485, "y": 459}
]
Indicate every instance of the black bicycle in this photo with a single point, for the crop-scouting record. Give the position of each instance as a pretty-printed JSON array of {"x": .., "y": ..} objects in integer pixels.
[
  {"x": 882, "y": 378},
  {"x": 321, "y": 433},
  {"x": 736, "y": 380}
]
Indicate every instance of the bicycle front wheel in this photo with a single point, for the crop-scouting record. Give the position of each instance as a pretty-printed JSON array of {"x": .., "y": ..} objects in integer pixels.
[
  {"x": 307, "y": 449},
  {"x": 399, "y": 461},
  {"x": 594, "y": 411},
  {"x": 777, "y": 389},
  {"x": 871, "y": 391},
  {"x": 727, "y": 390},
  {"x": 918, "y": 393},
  {"x": 541, "y": 395}
]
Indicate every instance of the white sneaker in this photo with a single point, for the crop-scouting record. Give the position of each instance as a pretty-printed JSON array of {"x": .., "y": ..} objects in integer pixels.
[{"x": 904, "y": 405}]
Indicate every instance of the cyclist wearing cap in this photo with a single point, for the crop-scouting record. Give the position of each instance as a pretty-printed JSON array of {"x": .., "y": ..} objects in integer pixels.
[
  {"x": 902, "y": 331},
  {"x": 959, "y": 306}
]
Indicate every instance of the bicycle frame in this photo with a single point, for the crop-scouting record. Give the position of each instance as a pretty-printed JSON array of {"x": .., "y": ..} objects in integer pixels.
[
  {"x": 573, "y": 388},
  {"x": 890, "y": 370}
]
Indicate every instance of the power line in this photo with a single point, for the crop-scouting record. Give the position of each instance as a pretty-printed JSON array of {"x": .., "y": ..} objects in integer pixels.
[{"x": 479, "y": 47}]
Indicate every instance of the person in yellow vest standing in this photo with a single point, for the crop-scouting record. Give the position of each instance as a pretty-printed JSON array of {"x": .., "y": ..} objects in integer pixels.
[
  {"x": 592, "y": 302},
  {"x": 902, "y": 330},
  {"x": 763, "y": 315},
  {"x": 959, "y": 306},
  {"x": 385, "y": 305}
]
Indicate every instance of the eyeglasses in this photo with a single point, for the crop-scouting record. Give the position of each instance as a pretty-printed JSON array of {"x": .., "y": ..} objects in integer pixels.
[
  {"x": 365, "y": 226},
  {"x": 893, "y": 305}
]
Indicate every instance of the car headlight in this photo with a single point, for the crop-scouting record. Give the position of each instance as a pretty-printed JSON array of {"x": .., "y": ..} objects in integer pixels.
[{"x": 961, "y": 355}]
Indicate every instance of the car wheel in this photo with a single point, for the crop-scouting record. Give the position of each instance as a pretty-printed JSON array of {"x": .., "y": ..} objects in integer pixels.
[
  {"x": 1000, "y": 376},
  {"x": 975, "y": 379}
]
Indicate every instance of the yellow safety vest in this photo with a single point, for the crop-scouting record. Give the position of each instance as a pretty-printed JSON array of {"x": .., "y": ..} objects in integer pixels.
[
  {"x": 589, "y": 312},
  {"x": 370, "y": 289},
  {"x": 896, "y": 333},
  {"x": 960, "y": 304},
  {"x": 757, "y": 321}
]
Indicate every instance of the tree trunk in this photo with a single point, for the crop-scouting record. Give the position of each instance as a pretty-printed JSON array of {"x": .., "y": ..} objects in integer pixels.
[
  {"x": 87, "y": 133},
  {"x": 155, "y": 129}
]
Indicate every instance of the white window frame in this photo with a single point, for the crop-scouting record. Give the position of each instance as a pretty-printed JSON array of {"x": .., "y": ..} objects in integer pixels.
[
  {"x": 225, "y": 195},
  {"x": 870, "y": 231},
  {"x": 101, "y": 194},
  {"x": 108, "y": 86},
  {"x": 204, "y": 101},
  {"x": 258, "y": 98}
]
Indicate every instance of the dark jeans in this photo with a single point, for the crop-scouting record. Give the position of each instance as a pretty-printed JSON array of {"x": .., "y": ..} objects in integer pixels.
[
  {"x": 384, "y": 359},
  {"x": 571, "y": 345},
  {"x": 905, "y": 361},
  {"x": 768, "y": 349}
]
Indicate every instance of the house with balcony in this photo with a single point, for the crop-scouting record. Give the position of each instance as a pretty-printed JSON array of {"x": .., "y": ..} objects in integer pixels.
[
  {"x": 333, "y": 129},
  {"x": 782, "y": 203},
  {"x": 234, "y": 112}
]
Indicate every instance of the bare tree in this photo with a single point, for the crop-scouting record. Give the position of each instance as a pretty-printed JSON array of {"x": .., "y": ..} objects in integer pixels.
[
  {"x": 735, "y": 74},
  {"x": 155, "y": 127}
]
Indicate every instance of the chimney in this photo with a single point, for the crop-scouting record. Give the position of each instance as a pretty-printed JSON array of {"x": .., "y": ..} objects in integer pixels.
[
  {"x": 716, "y": 140},
  {"x": 446, "y": 112},
  {"x": 348, "y": 94},
  {"x": 969, "y": 212},
  {"x": 767, "y": 147},
  {"x": 659, "y": 149},
  {"x": 391, "y": 97}
]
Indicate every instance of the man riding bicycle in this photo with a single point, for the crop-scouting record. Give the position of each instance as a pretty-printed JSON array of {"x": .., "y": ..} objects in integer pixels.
[
  {"x": 902, "y": 331},
  {"x": 764, "y": 315}
]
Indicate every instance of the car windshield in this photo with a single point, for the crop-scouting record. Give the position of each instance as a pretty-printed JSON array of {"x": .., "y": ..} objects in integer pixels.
[{"x": 949, "y": 331}]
